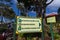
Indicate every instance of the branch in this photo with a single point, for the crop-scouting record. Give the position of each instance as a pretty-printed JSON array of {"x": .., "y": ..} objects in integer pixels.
[
  {"x": 58, "y": 10},
  {"x": 50, "y": 2}
]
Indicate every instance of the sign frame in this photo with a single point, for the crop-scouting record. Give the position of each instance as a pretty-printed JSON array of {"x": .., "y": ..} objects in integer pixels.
[
  {"x": 40, "y": 29},
  {"x": 51, "y": 19}
]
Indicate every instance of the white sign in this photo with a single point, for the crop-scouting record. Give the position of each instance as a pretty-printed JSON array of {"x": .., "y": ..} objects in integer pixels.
[{"x": 28, "y": 25}]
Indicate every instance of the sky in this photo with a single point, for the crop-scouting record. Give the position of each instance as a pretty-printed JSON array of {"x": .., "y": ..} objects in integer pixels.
[{"x": 53, "y": 7}]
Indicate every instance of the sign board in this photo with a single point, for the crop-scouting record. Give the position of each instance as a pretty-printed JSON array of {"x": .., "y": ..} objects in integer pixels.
[
  {"x": 51, "y": 19},
  {"x": 28, "y": 25}
]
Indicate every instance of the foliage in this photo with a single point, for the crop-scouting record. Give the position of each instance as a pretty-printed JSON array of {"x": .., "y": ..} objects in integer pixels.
[
  {"x": 3, "y": 27},
  {"x": 56, "y": 29},
  {"x": 7, "y": 0},
  {"x": 56, "y": 36},
  {"x": 7, "y": 11}
]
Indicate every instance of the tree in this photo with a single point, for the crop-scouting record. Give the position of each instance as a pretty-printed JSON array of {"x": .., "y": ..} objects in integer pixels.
[
  {"x": 39, "y": 5},
  {"x": 58, "y": 10},
  {"x": 7, "y": 11},
  {"x": 44, "y": 5},
  {"x": 7, "y": 0}
]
